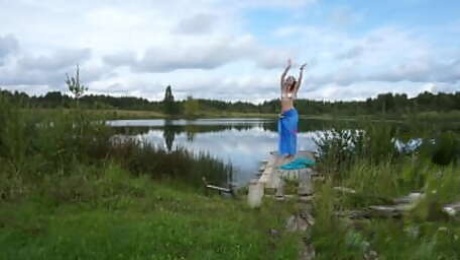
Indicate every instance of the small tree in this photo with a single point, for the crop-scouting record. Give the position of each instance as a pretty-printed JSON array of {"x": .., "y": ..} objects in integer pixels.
[
  {"x": 75, "y": 87},
  {"x": 191, "y": 107}
]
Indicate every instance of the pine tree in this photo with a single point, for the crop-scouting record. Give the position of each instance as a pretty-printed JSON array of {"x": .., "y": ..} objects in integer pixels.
[{"x": 169, "y": 103}]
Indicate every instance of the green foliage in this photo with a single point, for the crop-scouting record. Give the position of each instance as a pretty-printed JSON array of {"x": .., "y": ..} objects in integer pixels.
[
  {"x": 15, "y": 136},
  {"x": 15, "y": 149},
  {"x": 340, "y": 148},
  {"x": 428, "y": 107},
  {"x": 62, "y": 143},
  {"x": 191, "y": 107},
  {"x": 446, "y": 149},
  {"x": 112, "y": 215},
  {"x": 424, "y": 232},
  {"x": 367, "y": 163},
  {"x": 178, "y": 165},
  {"x": 76, "y": 137},
  {"x": 75, "y": 87},
  {"x": 330, "y": 237},
  {"x": 170, "y": 107}
]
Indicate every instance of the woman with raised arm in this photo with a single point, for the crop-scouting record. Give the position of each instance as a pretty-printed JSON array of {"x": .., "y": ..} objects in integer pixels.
[{"x": 289, "y": 118}]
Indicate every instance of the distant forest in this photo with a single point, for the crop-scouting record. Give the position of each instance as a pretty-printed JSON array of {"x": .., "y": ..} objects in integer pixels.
[{"x": 388, "y": 103}]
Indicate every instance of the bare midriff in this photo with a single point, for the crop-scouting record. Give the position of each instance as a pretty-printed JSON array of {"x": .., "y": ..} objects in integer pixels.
[{"x": 286, "y": 104}]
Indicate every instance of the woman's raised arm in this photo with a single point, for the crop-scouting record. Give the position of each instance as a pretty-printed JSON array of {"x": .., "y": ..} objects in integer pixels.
[
  {"x": 299, "y": 80},
  {"x": 283, "y": 76}
]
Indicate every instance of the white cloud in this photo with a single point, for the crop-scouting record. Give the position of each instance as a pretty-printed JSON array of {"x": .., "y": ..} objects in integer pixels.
[
  {"x": 272, "y": 3},
  {"x": 204, "y": 48},
  {"x": 197, "y": 24},
  {"x": 60, "y": 59},
  {"x": 8, "y": 46},
  {"x": 385, "y": 54}
]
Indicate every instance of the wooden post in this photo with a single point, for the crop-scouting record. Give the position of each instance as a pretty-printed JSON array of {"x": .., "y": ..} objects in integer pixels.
[
  {"x": 305, "y": 182},
  {"x": 255, "y": 193}
]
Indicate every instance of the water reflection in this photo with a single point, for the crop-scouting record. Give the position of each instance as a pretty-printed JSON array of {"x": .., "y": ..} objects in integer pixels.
[
  {"x": 244, "y": 143},
  {"x": 191, "y": 127},
  {"x": 243, "y": 148}
]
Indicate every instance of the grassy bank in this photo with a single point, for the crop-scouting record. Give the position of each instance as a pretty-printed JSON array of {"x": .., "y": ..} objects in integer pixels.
[
  {"x": 117, "y": 216},
  {"x": 113, "y": 114},
  {"x": 70, "y": 190},
  {"x": 367, "y": 164}
]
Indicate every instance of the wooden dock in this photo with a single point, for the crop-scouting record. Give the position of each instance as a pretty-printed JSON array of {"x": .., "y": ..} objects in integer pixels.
[
  {"x": 271, "y": 173},
  {"x": 271, "y": 177}
]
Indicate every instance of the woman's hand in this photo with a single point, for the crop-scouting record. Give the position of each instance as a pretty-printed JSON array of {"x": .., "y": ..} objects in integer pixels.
[
  {"x": 289, "y": 63},
  {"x": 299, "y": 80}
]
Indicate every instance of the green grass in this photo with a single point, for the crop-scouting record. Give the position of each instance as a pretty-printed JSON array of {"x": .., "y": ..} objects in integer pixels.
[
  {"x": 378, "y": 176},
  {"x": 68, "y": 191},
  {"x": 135, "y": 218},
  {"x": 115, "y": 114}
]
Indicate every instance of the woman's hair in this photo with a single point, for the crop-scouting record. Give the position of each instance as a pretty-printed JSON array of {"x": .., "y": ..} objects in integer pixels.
[{"x": 292, "y": 86}]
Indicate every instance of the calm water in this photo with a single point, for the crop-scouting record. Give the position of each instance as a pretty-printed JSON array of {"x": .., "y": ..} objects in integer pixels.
[{"x": 241, "y": 142}]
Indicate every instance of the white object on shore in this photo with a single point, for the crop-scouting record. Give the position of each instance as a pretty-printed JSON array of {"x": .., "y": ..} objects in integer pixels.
[
  {"x": 255, "y": 193},
  {"x": 452, "y": 209}
]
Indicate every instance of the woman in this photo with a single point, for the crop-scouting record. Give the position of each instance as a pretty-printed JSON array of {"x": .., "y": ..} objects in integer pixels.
[{"x": 289, "y": 118}]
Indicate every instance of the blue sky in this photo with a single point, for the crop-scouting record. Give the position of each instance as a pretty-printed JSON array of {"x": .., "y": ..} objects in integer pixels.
[{"x": 231, "y": 50}]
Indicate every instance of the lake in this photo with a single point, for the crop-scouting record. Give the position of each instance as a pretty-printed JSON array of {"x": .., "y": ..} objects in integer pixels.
[{"x": 240, "y": 141}]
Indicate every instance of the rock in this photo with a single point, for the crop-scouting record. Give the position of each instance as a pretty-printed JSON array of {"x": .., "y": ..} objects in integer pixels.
[
  {"x": 273, "y": 232},
  {"x": 296, "y": 223},
  {"x": 307, "y": 217},
  {"x": 371, "y": 255},
  {"x": 307, "y": 252}
]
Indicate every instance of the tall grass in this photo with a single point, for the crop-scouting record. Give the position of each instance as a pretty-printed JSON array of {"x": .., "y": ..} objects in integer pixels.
[
  {"x": 342, "y": 146},
  {"x": 15, "y": 143},
  {"x": 59, "y": 145},
  {"x": 179, "y": 165},
  {"x": 367, "y": 162}
]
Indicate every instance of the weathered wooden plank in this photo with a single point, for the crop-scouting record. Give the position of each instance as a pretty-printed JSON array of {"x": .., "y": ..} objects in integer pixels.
[
  {"x": 411, "y": 198},
  {"x": 452, "y": 209},
  {"x": 213, "y": 187},
  {"x": 267, "y": 171},
  {"x": 222, "y": 190}
]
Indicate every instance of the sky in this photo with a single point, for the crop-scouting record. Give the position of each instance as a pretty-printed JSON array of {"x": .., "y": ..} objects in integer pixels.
[{"x": 231, "y": 49}]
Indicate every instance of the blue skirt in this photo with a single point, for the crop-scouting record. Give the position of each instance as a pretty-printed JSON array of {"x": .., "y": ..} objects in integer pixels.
[{"x": 287, "y": 129}]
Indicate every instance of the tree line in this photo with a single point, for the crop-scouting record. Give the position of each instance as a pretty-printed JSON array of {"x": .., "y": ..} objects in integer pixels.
[{"x": 387, "y": 103}]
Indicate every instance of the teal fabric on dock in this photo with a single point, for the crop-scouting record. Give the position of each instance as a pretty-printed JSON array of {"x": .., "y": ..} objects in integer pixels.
[{"x": 298, "y": 163}]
